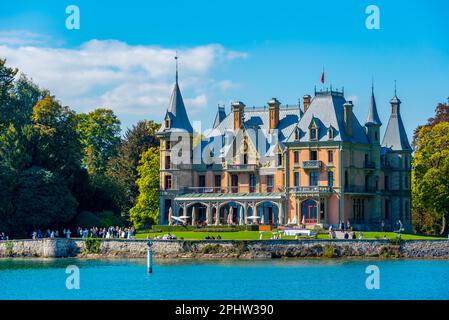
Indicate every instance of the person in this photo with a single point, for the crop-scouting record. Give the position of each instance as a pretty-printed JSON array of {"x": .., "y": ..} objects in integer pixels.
[
  {"x": 218, "y": 237},
  {"x": 354, "y": 236},
  {"x": 260, "y": 236},
  {"x": 346, "y": 235},
  {"x": 382, "y": 225},
  {"x": 361, "y": 236}
]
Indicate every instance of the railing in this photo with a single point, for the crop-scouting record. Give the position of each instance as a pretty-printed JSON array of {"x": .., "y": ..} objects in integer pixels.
[
  {"x": 369, "y": 165},
  {"x": 360, "y": 189},
  {"x": 310, "y": 189},
  {"x": 231, "y": 189},
  {"x": 311, "y": 164},
  {"x": 241, "y": 167}
]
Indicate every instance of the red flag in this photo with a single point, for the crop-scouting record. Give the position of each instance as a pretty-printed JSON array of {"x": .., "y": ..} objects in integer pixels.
[{"x": 322, "y": 77}]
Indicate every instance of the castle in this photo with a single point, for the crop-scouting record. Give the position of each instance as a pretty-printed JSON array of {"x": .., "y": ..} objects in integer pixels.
[{"x": 286, "y": 165}]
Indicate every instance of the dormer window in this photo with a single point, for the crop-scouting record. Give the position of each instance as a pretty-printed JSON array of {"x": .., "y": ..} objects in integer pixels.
[
  {"x": 297, "y": 134},
  {"x": 330, "y": 133},
  {"x": 167, "y": 123},
  {"x": 313, "y": 134}
]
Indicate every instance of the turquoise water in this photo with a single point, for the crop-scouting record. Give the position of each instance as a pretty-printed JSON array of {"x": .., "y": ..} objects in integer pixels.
[{"x": 274, "y": 279}]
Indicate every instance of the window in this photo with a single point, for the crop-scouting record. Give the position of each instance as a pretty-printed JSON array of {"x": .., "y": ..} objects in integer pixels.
[
  {"x": 330, "y": 179},
  {"x": 296, "y": 156},
  {"x": 331, "y": 133},
  {"x": 366, "y": 183},
  {"x": 313, "y": 134},
  {"x": 167, "y": 123},
  {"x": 202, "y": 181},
  {"x": 322, "y": 207},
  {"x": 167, "y": 145},
  {"x": 234, "y": 183},
  {"x": 406, "y": 182},
  {"x": 296, "y": 179},
  {"x": 358, "y": 210},
  {"x": 217, "y": 183},
  {"x": 346, "y": 179},
  {"x": 270, "y": 183},
  {"x": 387, "y": 209},
  {"x": 252, "y": 183},
  {"x": 376, "y": 136},
  {"x": 167, "y": 183},
  {"x": 330, "y": 156},
  {"x": 297, "y": 134},
  {"x": 167, "y": 162},
  {"x": 279, "y": 159},
  {"x": 387, "y": 183},
  {"x": 313, "y": 155},
  {"x": 245, "y": 158},
  {"x": 314, "y": 176}
]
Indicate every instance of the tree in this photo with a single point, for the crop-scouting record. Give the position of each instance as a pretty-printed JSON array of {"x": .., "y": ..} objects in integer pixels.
[
  {"x": 146, "y": 210},
  {"x": 6, "y": 85},
  {"x": 6, "y": 193},
  {"x": 441, "y": 115},
  {"x": 430, "y": 178},
  {"x": 123, "y": 167},
  {"x": 41, "y": 199},
  {"x": 53, "y": 139},
  {"x": 100, "y": 136}
]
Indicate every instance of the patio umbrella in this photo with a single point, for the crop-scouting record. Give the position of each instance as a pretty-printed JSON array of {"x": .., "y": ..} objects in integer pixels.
[
  {"x": 294, "y": 220},
  {"x": 303, "y": 220},
  {"x": 241, "y": 216},
  {"x": 208, "y": 216},
  {"x": 193, "y": 216},
  {"x": 170, "y": 213},
  {"x": 217, "y": 216},
  {"x": 262, "y": 221},
  {"x": 231, "y": 212}
]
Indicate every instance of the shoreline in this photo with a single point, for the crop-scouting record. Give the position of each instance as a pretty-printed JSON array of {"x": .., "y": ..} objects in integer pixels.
[{"x": 225, "y": 249}]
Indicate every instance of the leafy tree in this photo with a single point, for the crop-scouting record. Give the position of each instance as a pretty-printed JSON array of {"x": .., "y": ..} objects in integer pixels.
[
  {"x": 54, "y": 137},
  {"x": 6, "y": 192},
  {"x": 41, "y": 198},
  {"x": 100, "y": 136},
  {"x": 441, "y": 115},
  {"x": 146, "y": 210},
  {"x": 7, "y": 76},
  {"x": 123, "y": 167},
  {"x": 430, "y": 178}
]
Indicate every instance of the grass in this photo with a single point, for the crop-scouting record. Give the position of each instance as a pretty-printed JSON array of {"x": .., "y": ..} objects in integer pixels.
[{"x": 254, "y": 235}]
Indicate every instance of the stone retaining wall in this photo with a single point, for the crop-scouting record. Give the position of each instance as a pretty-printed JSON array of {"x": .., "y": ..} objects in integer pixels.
[{"x": 221, "y": 249}]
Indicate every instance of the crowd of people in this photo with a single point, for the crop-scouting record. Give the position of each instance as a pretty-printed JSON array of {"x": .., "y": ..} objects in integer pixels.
[
  {"x": 3, "y": 236},
  {"x": 107, "y": 233}
]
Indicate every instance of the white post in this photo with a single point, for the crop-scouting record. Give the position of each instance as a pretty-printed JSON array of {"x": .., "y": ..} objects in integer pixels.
[{"x": 150, "y": 257}]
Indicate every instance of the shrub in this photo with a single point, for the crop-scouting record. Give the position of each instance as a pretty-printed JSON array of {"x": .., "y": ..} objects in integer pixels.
[
  {"x": 329, "y": 252},
  {"x": 87, "y": 219},
  {"x": 9, "y": 245},
  {"x": 211, "y": 248},
  {"x": 92, "y": 245}
]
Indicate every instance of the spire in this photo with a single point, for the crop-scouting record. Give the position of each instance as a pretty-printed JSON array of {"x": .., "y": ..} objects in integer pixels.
[
  {"x": 395, "y": 137},
  {"x": 176, "y": 111},
  {"x": 373, "y": 116},
  {"x": 176, "y": 58}
]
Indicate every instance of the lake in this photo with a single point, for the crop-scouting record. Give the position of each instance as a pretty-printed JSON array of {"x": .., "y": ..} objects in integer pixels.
[{"x": 273, "y": 279}]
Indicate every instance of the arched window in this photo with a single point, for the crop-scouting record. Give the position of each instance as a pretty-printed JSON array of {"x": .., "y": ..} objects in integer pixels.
[
  {"x": 297, "y": 134},
  {"x": 330, "y": 133}
]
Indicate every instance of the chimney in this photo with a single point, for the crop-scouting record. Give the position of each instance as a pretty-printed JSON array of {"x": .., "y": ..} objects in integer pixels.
[
  {"x": 306, "y": 100},
  {"x": 273, "y": 107},
  {"x": 348, "y": 117},
  {"x": 238, "y": 108}
]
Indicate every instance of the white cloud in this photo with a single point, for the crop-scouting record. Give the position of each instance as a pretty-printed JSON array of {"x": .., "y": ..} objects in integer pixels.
[{"x": 130, "y": 79}]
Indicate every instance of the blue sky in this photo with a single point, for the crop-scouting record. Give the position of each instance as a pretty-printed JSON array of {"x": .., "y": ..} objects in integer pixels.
[{"x": 122, "y": 56}]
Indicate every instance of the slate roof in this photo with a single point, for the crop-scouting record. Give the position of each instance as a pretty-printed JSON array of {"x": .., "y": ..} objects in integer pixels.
[
  {"x": 326, "y": 109},
  {"x": 176, "y": 112},
  {"x": 395, "y": 138},
  {"x": 373, "y": 116}
]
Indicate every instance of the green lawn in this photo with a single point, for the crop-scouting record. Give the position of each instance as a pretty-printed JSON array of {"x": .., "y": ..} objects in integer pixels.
[{"x": 254, "y": 235}]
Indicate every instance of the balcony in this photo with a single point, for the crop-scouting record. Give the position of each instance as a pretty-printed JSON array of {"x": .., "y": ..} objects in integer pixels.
[
  {"x": 312, "y": 164},
  {"x": 310, "y": 189},
  {"x": 241, "y": 167},
  {"x": 369, "y": 165},
  {"x": 360, "y": 189},
  {"x": 203, "y": 190}
]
